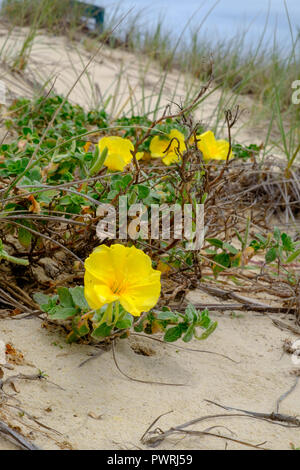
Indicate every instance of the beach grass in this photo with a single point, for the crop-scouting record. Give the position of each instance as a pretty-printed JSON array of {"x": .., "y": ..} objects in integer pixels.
[{"x": 264, "y": 74}]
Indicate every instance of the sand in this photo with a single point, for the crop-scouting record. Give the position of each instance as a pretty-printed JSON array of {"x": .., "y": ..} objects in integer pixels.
[
  {"x": 96, "y": 407},
  {"x": 99, "y": 408},
  {"x": 120, "y": 80}
]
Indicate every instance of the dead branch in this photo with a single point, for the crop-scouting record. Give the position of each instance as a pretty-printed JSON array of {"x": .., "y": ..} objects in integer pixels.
[
  {"x": 17, "y": 437},
  {"x": 154, "y": 438},
  {"x": 277, "y": 418}
]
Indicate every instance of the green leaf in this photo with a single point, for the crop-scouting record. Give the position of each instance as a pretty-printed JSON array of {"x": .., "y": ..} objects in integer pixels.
[
  {"x": 98, "y": 315},
  {"x": 204, "y": 197},
  {"x": 191, "y": 313},
  {"x": 239, "y": 236},
  {"x": 222, "y": 259},
  {"x": 24, "y": 237},
  {"x": 81, "y": 328},
  {"x": 167, "y": 316},
  {"x": 26, "y": 131},
  {"x": 78, "y": 297},
  {"x": 41, "y": 298},
  {"x": 271, "y": 255},
  {"x": 208, "y": 332},
  {"x": 112, "y": 194},
  {"x": 277, "y": 234},
  {"x": 102, "y": 331},
  {"x": 235, "y": 262},
  {"x": 46, "y": 302},
  {"x": 132, "y": 198},
  {"x": 125, "y": 322},
  {"x": 215, "y": 242},
  {"x": 293, "y": 256},
  {"x": 262, "y": 239},
  {"x": 204, "y": 321},
  {"x": 143, "y": 191},
  {"x": 287, "y": 242},
  {"x": 139, "y": 327},
  {"x": 65, "y": 297},
  {"x": 255, "y": 245},
  {"x": 96, "y": 155},
  {"x": 61, "y": 313},
  {"x": 230, "y": 248},
  {"x": 173, "y": 334},
  {"x": 47, "y": 196},
  {"x": 99, "y": 161},
  {"x": 126, "y": 180},
  {"x": 72, "y": 337},
  {"x": 189, "y": 334}
]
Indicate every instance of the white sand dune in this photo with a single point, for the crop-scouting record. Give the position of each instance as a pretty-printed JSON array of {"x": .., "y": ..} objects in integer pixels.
[
  {"x": 124, "y": 81},
  {"x": 125, "y": 408}
]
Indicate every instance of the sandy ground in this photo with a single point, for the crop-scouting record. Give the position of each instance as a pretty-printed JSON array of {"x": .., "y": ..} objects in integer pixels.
[
  {"x": 99, "y": 408},
  {"x": 119, "y": 80}
]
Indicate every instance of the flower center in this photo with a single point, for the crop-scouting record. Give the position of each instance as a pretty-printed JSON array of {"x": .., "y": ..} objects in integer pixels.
[{"x": 117, "y": 287}]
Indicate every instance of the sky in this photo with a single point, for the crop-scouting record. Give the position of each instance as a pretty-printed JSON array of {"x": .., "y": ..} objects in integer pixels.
[{"x": 225, "y": 19}]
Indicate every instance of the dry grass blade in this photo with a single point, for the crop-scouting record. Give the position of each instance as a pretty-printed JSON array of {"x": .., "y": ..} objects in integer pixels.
[
  {"x": 139, "y": 380},
  {"x": 155, "y": 438},
  {"x": 183, "y": 348},
  {"x": 286, "y": 394}
]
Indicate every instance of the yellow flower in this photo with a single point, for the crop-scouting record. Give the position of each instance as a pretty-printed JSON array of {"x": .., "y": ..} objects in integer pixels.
[
  {"x": 211, "y": 148},
  {"x": 119, "y": 152},
  {"x": 160, "y": 143},
  {"x": 139, "y": 155},
  {"x": 123, "y": 274}
]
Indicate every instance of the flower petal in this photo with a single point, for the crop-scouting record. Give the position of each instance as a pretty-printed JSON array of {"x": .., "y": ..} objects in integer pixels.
[
  {"x": 119, "y": 152},
  {"x": 158, "y": 146},
  {"x": 140, "y": 297},
  {"x": 115, "y": 162},
  {"x": 139, "y": 155},
  {"x": 222, "y": 152},
  {"x": 171, "y": 158},
  {"x": 116, "y": 144},
  {"x": 211, "y": 148},
  {"x": 96, "y": 293},
  {"x": 207, "y": 144},
  {"x": 107, "y": 264}
]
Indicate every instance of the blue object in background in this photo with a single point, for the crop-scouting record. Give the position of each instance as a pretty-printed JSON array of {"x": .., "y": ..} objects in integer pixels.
[{"x": 92, "y": 15}]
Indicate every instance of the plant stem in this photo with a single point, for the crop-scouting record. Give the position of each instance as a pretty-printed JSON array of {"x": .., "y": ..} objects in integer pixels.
[
  {"x": 109, "y": 313},
  {"x": 117, "y": 311},
  {"x": 12, "y": 259}
]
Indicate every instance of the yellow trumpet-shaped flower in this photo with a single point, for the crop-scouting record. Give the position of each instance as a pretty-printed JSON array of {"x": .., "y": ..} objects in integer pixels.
[
  {"x": 119, "y": 152},
  {"x": 123, "y": 274},
  {"x": 211, "y": 148},
  {"x": 160, "y": 143}
]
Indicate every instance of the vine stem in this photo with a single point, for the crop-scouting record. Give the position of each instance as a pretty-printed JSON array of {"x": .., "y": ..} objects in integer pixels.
[{"x": 12, "y": 259}]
